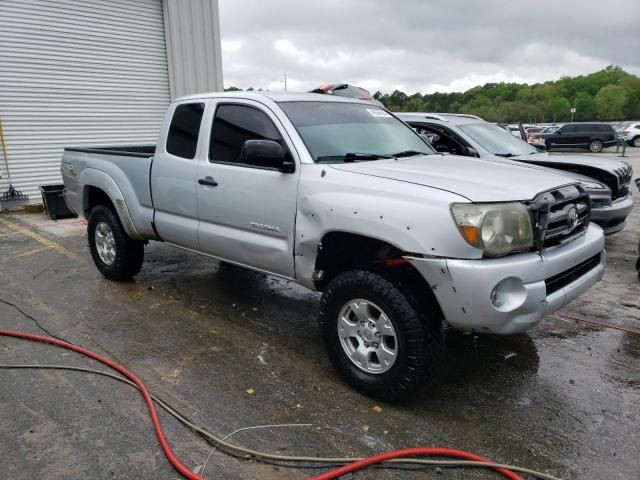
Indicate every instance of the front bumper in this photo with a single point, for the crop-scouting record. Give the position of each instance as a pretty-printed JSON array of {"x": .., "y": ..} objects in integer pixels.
[
  {"x": 527, "y": 284},
  {"x": 611, "y": 218}
]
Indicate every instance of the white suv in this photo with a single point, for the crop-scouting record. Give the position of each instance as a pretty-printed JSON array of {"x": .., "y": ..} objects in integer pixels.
[{"x": 631, "y": 134}]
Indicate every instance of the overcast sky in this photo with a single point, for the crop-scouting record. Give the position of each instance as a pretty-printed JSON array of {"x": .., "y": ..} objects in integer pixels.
[{"x": 423, "y": 45}]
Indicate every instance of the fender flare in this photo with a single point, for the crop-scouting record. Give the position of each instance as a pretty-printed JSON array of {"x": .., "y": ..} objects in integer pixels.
[{"x": 91, "y": 177}]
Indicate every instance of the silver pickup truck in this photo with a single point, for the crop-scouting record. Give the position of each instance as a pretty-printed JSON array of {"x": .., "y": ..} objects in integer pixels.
[{"x": 342, "y": 197}]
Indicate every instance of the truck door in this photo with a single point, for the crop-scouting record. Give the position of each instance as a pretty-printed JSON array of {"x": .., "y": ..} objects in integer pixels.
[
  {"x": 173, "y": 176},
  {"x": 247, "y": 212}
]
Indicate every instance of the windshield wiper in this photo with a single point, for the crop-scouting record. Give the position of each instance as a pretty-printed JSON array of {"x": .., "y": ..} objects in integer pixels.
[
  {"x": 506, "y": 155},
  {"x": 408, "y": 153},
  {"x": 353, "y": 156}
]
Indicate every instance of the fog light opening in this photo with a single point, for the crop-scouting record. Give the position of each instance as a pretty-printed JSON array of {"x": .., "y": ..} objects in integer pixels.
[{"x": 508, "y": 294}]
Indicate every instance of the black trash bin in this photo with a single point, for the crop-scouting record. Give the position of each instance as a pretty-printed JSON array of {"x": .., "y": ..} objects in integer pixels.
[{"x": 54, "y": 203}]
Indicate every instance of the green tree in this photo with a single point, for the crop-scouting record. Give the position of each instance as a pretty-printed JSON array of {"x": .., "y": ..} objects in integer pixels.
[
  {"x": 511, "y": 102},
  {"x": 559, "y": 109},
  {"x": 414, "y": 104},
  {"x": 610, "y": 102},
  {"x": 585, "y": 107},
  {"x": 631, "y": 86}
]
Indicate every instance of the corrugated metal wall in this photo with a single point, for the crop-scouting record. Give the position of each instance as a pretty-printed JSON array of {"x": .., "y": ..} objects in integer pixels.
[
  {"x": 78, "y": 72},
  {"x": 193, "y": 46}
]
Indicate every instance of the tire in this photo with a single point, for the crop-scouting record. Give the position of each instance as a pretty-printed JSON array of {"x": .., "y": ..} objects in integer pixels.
[
  {"x": 122, "y": 259},
  {"x": 595, "y": 146},
  {"x": 418, "y": 337},
  {"x": 636, "y": 141}
]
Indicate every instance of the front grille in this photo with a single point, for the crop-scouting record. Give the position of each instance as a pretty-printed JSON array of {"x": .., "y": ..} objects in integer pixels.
[
  {"x": 563, "y": 279},
  {"x": 560, "y": 215},
  {"x": 623, "y": 175}
]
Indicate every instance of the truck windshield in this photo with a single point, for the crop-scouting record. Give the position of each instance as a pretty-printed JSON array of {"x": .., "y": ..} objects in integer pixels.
[
  {"x": 347, "y": 132},
  {"x": 496, "y": 140}
]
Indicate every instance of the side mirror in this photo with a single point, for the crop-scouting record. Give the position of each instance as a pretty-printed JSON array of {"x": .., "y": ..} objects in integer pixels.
[
  {"x": 266, "y": 154},
  {"x": 558, "y": 132},
  {"x": 471, "y": 152}
]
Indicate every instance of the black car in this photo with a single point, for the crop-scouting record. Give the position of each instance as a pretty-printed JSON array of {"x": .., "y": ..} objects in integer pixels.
[{"x": 592, "y": 136}]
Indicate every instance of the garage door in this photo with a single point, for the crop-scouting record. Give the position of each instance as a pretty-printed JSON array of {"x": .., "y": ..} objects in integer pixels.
[{"x": 77, "y": 72}]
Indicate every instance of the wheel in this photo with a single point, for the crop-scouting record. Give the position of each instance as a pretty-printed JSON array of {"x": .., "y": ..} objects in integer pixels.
[
  {"x": 381, "y": 340},
  {"x": 636, "y": 141},
  {"x": 117, "y": 256},
  {"x": 595, "y": 146}
]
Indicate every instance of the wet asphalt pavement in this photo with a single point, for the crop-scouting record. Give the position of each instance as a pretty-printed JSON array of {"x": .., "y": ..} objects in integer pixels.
[{"x": 232, "y": 348}]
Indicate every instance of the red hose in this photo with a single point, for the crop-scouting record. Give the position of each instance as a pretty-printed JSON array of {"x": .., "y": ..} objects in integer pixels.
[
  {"x": 184, "y": 471},
  {"x": 412, "y": 452},
  {"x": 338, "y": 472}
]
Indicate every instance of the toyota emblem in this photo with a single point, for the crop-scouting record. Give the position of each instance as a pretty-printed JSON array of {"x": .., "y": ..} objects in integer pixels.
[{"x": 572, "y": 219}]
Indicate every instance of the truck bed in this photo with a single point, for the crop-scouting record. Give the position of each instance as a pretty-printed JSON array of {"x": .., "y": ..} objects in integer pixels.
[
  {"x": 120, "y": 171},
  {"x": 143, "y": 151}
]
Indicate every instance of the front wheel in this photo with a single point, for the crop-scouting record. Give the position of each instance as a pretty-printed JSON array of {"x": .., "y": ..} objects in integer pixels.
[
  {"x": 116, "y": 255},
  {"x": 595, "y": 146},
  {"x": 636, "y": 141},
  {"x": 384, "y": 343}
]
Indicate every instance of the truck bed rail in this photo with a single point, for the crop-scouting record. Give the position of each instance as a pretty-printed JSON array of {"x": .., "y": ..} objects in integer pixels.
[{"x": 143, "y": 151}]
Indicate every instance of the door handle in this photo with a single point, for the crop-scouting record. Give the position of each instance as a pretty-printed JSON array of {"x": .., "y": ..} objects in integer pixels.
[{"x": 208, "y": 181}]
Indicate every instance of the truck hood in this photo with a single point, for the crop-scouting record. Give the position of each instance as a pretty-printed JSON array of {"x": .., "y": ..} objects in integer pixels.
[
  {"x": 613, "y": 173},
  {"x": 477, "y": 180},
  {"x": 557, "y": 161}
]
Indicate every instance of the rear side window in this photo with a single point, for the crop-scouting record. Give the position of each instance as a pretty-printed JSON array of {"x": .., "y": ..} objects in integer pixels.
[
  {"x": 232, "y": 126},
  {"x": 182, "y": 139}
]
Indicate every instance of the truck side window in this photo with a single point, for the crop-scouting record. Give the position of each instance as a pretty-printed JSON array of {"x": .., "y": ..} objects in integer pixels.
[
  {"x": 232, "y": 126},
  {"x": 182, "y": 138}
]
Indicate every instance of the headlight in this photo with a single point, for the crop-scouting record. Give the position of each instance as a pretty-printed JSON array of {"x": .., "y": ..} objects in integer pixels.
[
  {"x": 496, "y": 228},
  {"x": 591, "y": 185}
]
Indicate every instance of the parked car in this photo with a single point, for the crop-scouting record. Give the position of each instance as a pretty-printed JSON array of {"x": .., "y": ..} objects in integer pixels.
[
  {"x": 512, "y": 129},
  {"x": 631, "y": 134},
  {"x": 537, "y": 131},
  {"x": 536, "y": 138},
  {"x": 342, "y": 197},
  {"x": 346, "y": 90},
  {"x": 592, "y": 136},
  {"x": 606, "y": 180}
]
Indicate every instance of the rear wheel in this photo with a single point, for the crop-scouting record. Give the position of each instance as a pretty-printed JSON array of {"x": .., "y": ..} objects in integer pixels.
[
  {"x": 636, "y": 141},
  {"x": 383, "y": 342},
  {"x": 116, "y": 255},
  {"x": 595, "y": 146}
]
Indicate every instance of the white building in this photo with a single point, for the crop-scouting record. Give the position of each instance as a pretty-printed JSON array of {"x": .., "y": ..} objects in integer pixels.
[{"x": 96, "y": 72}]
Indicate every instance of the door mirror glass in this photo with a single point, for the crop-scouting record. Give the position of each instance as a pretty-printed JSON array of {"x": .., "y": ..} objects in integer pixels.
[
  {"x": 265, "y": 154},
  {"x": 471, "y": 152}
]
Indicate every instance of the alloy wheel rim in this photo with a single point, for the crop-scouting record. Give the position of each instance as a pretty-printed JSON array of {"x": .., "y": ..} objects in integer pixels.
[
  {"x": 105, "y": 243},
  {"x": 596, "y": 146},
  {"x": 367, "y": 336}
]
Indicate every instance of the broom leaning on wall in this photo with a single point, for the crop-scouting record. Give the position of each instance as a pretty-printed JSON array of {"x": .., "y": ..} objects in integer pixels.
[{"x": 11, "y": 198}]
